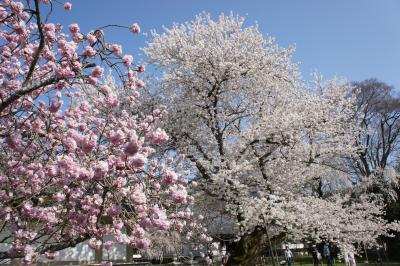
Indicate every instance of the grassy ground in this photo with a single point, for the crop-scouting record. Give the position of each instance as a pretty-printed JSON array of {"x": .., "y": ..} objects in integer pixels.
[
  {"x": 307, "y": 261},
  {"x": 297, "y": 261}
]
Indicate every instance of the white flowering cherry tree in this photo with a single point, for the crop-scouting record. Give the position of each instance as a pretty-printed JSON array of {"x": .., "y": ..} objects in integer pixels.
[
  {"x": 72, "y": 169},
  {"x": 258, "y": 135}
]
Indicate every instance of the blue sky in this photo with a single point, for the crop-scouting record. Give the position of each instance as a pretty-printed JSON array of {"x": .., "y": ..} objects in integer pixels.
[{"x": 355, "y": 39}]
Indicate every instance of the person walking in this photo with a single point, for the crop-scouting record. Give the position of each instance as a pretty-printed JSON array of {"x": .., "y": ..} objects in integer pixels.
[
  {"x": 288, "y": 256},
  {"x": 352, "y": 260},
  {"x": 327, "y": 254},
  {"x": 346, "y": 258},
  {"x": 316, "y": 256}
]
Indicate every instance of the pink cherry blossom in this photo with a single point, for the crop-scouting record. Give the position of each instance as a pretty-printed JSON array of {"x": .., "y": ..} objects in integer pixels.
[
  {"x": 51, "y": 255},
  {"x": 55, "y": 106},
  {"x": 74, "y": 28},
  {"x": 132, "y": 147},
  {"x": 127, "y": 60},
  {"x": 67, "y": 6},
  {"x": 140, "y": 83},
  {"x": 91, "y": 38},
  {"x": 170, "y": 177},
  {"x": 138, "y": 161},
  {"x": 135, "y": 28},
  {"x": 97, "y": 72},
  {"x": 105, "y": 89},
  {"x": 90, "y": 51},
  {"x": 94, "y": 243},
  {"x": 117, "y": 49},
  {"x": 158, "y": 136}
]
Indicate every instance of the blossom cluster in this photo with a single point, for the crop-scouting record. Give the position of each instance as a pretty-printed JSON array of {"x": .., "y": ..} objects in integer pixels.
[
  {"x": 73, "y": 168},
  {"x": 255, "y": 130}
]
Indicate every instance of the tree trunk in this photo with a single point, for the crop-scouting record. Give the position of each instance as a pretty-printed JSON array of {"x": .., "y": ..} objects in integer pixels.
[
  {"x": 249, "y": 247},
  {"x": 270, "y": 248}
]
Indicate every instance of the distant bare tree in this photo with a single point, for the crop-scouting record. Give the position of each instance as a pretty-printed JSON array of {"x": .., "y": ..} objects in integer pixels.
[
  {"x": 377, "y": 164},
  {"x": 379, "y": 114}
]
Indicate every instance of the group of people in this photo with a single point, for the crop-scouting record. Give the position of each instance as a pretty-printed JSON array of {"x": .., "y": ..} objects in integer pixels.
[{"x": 317, "y": 257}]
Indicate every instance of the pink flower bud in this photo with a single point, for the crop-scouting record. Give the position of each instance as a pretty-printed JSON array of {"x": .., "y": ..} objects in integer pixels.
[{"x": 140, "y": 68}]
